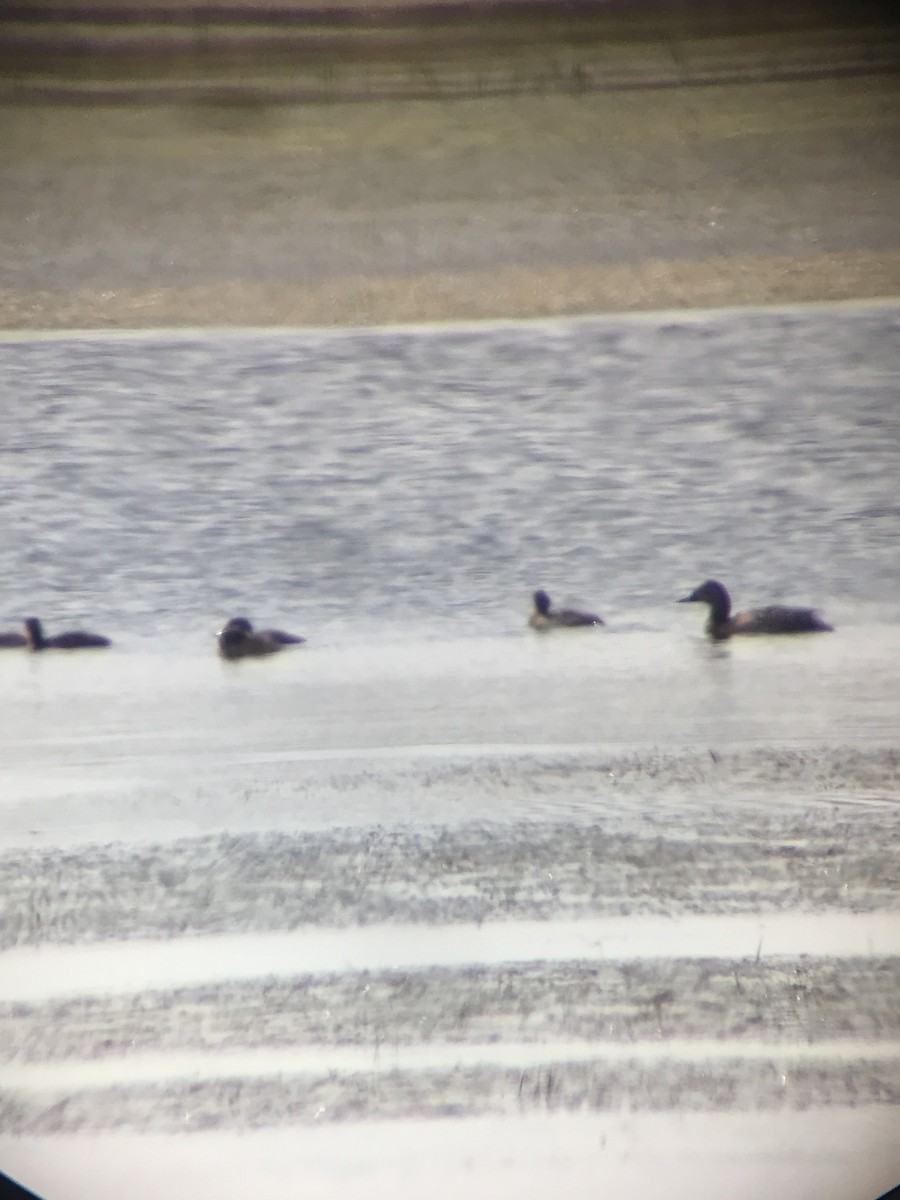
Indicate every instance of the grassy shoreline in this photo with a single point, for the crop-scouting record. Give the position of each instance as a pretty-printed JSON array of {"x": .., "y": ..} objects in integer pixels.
[{"x": 514, "y": 294}]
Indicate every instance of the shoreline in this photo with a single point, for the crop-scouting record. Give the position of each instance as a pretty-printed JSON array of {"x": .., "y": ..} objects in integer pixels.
[
  {"x": 238, "y": 211},
  {"x": 516, "y": 294}
]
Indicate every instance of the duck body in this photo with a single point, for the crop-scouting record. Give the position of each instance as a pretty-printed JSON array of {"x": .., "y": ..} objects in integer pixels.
[
  {"x": 72, "y": 639},
  {"x": 238, "y": 639},
  {"x": 773, "y": 619},
  {"x": 9, "y": 639},
  {"x": 546, "y": 617}
]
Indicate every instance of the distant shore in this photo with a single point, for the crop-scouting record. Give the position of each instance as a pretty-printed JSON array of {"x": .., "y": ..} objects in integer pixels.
[
  {"x": 533, "y": 178},
  {"x": 378, "y": 300}
]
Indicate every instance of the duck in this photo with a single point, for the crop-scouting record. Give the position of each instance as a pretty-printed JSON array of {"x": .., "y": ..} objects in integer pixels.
[
  {"x": 72, "y": 639},
  {"x": 10, "y": 639},
  {"x": 776, "y": 618},
  {"x": 238, "y": 639},
  {"x": 546, "y": 617}
]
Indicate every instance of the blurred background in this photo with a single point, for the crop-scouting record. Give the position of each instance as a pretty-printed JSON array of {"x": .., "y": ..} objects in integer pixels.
[{"x": 294, "y": 163}]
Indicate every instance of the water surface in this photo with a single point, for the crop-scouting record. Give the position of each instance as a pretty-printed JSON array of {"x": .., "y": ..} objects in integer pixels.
[
  {"x": 590, "y": 877},
  {"x": 366, "y": 485}
]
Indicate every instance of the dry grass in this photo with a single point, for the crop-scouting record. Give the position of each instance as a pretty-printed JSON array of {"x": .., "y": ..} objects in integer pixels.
[{"x": 513, "y": 293}]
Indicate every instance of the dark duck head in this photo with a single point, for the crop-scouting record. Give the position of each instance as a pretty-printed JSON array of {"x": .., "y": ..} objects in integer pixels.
[{"x": 775, "y": 618}]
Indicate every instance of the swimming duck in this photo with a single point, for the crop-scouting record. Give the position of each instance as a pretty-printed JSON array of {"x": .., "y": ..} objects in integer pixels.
[
  {"x": 545, "y": 617},
  {"x": 72, "y": 639},
  {"x": 9, "y": 639},
  {"x": 238, "y": 639},
  {"x": 776, "y": 618}
]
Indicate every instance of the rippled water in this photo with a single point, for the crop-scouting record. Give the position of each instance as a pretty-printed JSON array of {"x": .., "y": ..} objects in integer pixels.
[
  {"x": 395, "y": 495},
  {"x": 365, "y": 485}
]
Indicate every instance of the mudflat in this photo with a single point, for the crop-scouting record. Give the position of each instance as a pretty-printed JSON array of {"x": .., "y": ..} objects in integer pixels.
[{"x": 198, "y": 208}]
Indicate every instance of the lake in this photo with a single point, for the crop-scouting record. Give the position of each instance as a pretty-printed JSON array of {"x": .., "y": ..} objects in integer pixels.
[{"x": 433, "y": 894}]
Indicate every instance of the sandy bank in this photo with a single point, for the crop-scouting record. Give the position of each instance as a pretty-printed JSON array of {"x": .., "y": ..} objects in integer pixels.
[{"x": 246, "y": 212}]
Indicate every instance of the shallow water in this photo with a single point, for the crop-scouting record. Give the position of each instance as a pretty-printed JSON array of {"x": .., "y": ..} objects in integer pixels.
[
  {"x": 522, "y": 1156},
  {"x": 126, "y": 745},
  {"x": 510, "y": 855},
  {"x": 44, "y": 973}
]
